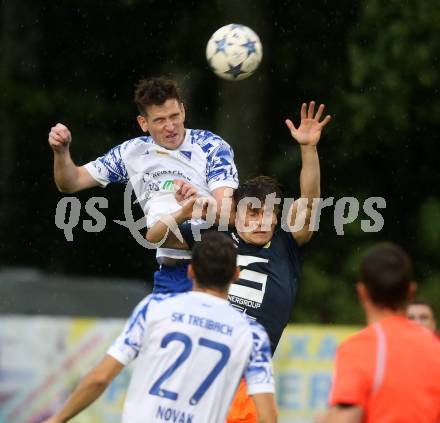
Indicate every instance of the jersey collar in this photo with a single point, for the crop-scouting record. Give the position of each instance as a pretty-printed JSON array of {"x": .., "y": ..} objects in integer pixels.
[{"x": 208, "y": 297}]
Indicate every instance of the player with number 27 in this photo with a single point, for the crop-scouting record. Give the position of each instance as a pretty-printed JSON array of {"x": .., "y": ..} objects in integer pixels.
[{"x": 190, "y": 351}]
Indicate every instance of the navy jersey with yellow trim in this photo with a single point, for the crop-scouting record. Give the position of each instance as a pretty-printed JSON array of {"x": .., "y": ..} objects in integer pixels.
[{"x": 269, "y": 279}]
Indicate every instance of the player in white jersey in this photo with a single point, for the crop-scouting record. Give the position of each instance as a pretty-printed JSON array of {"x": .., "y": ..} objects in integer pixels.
[
  {"x": 190, "y": 351},
  {"x": 152, "y": 163}
]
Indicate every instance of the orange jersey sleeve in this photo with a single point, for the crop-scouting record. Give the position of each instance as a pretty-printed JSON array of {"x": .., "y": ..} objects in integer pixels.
[
  {"x": 354, "y": 370},
  {"x": 242, "y": 409}
]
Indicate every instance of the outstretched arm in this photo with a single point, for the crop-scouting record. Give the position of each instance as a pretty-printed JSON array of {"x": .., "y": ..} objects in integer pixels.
[
  {"x": 265, "y": 407},
  {"x": 307, "y": 135},
  {"x": 69, "y": 178},
  {"x": 163, "y": 232},
  {"x": 225, "y": 205},
  {"x": 341, "y": 414},
  {"x": 223, "y": 196},
  {"x": 89, "y": 390}
]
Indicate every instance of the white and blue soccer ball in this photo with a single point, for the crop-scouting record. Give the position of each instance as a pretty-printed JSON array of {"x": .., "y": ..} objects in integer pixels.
[{"x": 234, "y": 52}]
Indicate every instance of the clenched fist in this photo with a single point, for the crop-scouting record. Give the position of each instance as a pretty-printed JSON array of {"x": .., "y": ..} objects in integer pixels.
[{"x": 59, "y": 138}]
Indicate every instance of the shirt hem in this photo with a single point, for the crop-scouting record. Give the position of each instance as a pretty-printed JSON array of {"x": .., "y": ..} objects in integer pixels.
[
  {"x": 94, "y": 174},
  {"x": 117, "y": 355}
]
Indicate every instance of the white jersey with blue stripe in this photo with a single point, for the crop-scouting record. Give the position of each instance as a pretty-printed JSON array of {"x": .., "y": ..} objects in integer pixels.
[
  {"x": 191, "y": 351},
  {"x": 204, "y": 159}
]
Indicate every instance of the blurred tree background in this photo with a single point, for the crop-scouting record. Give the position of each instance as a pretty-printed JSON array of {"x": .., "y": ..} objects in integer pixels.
[{"x": 374, "y": 63}]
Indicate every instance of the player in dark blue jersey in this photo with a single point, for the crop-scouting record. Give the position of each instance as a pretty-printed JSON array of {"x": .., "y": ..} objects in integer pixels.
[
  {"x": 270, "y": 263},
  {"x": 270, "y": 259}
]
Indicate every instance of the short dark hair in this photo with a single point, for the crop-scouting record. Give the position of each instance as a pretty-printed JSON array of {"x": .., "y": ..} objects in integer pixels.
[
  {"x": 214, "y": 260},
  {"x": 259, "y": 187},
  {"x": 386, "y": 271},
  {"x": 155, "y": 91},
  {"x": 422, "y": 301}
]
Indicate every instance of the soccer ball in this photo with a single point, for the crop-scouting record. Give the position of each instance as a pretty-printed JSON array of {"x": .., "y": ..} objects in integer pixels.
[{"x": 234, "y": 52}]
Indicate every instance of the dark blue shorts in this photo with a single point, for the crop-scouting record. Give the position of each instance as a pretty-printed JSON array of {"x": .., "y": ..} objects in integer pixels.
[{"x": 170, "y": 279}]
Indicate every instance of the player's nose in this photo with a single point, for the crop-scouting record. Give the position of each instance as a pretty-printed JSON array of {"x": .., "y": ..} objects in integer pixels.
[{"x": 169, "y": 126}]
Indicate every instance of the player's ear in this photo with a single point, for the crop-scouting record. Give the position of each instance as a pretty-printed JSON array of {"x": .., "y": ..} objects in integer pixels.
[
  {"x": 182, "y": 109},
  {"x": 190, "y": 272},
  {"x": 142, "y": 123},
  {"x": 412, "y": 289},
  {"x": 362, "y": 292},
  {"x": 236, "y": 276}
]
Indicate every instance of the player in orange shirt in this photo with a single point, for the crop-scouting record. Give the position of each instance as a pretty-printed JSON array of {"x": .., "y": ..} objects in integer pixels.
[{"x": 390, "y": 371}]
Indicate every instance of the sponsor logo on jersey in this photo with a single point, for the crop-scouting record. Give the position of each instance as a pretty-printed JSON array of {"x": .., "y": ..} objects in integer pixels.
[
  {"x": 168, "y": 185},
  {"x": 249, "y": 291},
  {"x": 150, "y": 187},
  {"x": 160, "y": 173},
  {"x": 161, "y": 153},
  {"x": 243, "y": 310},
  {"x": 235, "y": 237},
  {"x": 186, "y": 154},
  {"x": 242, "y": 303},
  {"x": 153, "y": 186}
]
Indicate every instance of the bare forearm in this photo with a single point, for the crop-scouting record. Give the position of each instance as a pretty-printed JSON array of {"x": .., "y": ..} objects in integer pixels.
[
  {"x": 343, "y": 415},
  {"x": 310, "y": 178},
  {"x": 162, "y": 227},
  {"x": 65, "y": 172},
  {"x": 270, "y": 419},
  {"x": 224, "y": 198},
  {"x": 266, "y": 408},
  {"x": 85, "y": 394}
]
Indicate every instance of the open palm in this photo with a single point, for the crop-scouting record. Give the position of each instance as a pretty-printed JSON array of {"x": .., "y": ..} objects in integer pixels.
[{"x": 310, "y": 128}]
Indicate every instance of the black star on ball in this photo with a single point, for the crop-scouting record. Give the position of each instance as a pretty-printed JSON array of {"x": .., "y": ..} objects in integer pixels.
[{"x": 235, "y": 71}]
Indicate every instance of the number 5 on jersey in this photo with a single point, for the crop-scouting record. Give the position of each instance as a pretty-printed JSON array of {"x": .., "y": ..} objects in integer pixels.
[{"x": 256, "y": 287}]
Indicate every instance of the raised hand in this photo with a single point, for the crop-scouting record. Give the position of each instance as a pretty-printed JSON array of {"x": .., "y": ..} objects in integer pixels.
[
  {"x": 60, "y": 138},
  {"x": 309, "y": 130}
]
